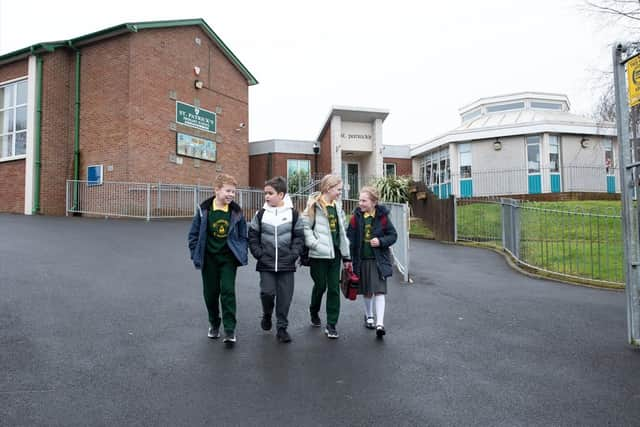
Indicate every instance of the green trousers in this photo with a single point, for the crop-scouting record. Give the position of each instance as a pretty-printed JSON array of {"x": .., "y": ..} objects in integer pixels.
[
  {"x": 326, "y": 277},
  {"x": 219, "y": 289}
]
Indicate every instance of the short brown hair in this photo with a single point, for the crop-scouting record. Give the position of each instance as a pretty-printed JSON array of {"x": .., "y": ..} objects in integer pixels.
[
  {"x": 278, "y": 183},
  {"x": 222, "y": 179}
]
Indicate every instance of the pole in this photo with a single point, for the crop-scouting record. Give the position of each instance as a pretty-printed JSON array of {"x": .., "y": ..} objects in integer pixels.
[{"x": 627, "y": 187}]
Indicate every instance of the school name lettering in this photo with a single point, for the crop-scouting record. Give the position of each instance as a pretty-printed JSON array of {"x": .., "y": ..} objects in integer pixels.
[
  {"x": 195, "y": 120},
  {"x": 356, "y": 136}
]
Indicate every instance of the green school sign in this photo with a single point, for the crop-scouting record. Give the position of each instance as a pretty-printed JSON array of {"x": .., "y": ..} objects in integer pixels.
[{"x": 195, "y": 117}]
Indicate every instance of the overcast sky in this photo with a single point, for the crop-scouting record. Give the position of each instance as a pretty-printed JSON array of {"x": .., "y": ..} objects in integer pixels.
[{"x": 419, "y": 61}]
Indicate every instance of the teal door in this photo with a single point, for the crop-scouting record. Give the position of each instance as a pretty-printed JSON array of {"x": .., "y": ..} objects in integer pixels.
[
  {"x": 611, "y": 184},
  {"x": 555, "y": 182},
  {"x": 466, "y": 187},
  {"x": 535, "y": 184}
]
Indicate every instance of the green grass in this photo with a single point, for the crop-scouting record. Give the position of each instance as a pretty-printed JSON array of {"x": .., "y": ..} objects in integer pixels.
[
  {"x": 556, "y": 236},
  {"x": 417, "y": 228}
]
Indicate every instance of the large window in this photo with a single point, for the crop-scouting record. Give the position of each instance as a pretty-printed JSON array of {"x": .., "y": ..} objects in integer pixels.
[
  {"x": 465, "y": 160},
  {"x": 533, "y": 154},
  {"x": 13, "y": 120},
  {"x": 554, "y": 153},
  {"x": 389, "y": 169},
  {"x": 298, "y": 174}
]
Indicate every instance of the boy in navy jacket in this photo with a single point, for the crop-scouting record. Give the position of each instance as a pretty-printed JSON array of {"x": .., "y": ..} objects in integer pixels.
[{"x": 218, "y": 245}]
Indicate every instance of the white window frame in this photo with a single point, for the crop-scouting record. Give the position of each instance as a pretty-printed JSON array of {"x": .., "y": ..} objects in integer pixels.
[
  {"x": 100, "y": 174},
  {"x": 464, "y": 149},
  {"x": 395, "y": 169},
  {"x": 13, "y": 109}
]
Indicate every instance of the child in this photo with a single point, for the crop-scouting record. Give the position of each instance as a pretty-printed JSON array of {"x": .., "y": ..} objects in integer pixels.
[
  {"x": 276, "y": 239},
  {"x": 324, "y": 233},
  {"x": 218, "y": 245},
  {"x": 371, "y": 233}
]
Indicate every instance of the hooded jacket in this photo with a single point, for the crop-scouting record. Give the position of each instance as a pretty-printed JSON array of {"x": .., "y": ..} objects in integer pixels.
[
  {"x": 277, "y": 242},
  {"x": 383, "y": 229},
  {"x": 317, "y": 233},
  {"x": 237, "y": 240}
]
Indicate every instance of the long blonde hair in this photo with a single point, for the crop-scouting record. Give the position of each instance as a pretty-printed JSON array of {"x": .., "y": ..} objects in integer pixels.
[{"x": 326, "y": 183}]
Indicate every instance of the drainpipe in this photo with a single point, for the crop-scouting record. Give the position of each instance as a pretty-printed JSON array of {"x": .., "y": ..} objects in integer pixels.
[
  {"x": 76, "y": 130},
  {"x": 37, "y": 137}
]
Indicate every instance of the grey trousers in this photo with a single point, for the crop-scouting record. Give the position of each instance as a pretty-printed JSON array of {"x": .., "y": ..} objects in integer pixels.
[{"x": 280, "y": 286}]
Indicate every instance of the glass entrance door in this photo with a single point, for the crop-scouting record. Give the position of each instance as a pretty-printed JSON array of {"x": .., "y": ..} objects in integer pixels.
[
  {"x": 350, "y": 178},
  {"x": 533, "y": 164}
]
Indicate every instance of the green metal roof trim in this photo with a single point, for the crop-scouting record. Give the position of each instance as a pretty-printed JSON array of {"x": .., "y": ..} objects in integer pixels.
[{"x": 131, "y": 28}]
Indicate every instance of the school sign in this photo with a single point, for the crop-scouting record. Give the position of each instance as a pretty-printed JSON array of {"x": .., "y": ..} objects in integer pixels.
[{"x": 195, "y": 117}]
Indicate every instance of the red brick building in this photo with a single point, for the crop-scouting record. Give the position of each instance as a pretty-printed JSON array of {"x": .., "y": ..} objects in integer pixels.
[
  {"x": 349, "y": 144},
  {"x": 140, "y": 102}
]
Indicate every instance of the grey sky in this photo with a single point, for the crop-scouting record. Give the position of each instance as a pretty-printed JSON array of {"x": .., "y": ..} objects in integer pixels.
[{"x": 420, "y": 60}]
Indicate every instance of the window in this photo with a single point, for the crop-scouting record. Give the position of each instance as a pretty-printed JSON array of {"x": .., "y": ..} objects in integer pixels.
[
  {"x": 13, "y": 120},
  {"x": 533, "y": 154},
  {"x": 94, "y": 174},
  {"x": 298, "y": 174},
  {"x": 546, "y": 105},
  {"x": 608, "y": 156},
  {"x": 389, "y": 169},
  {"x": 505, "y": 107},
  {"x": 471, "y": 115},
  {"x": 465, "y": 160},
  {"x": 554, "y": 153}
]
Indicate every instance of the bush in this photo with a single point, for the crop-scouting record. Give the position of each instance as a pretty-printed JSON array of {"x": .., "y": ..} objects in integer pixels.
[
  {"x": 297, "y": 181},
  {"x": 394, "y": 189}
]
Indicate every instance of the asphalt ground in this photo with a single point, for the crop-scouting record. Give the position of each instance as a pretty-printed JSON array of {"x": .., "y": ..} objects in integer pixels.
[{"x": 102, "y": 322}]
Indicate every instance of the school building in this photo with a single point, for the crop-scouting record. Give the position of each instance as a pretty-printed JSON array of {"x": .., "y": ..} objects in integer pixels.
[
  {"x": 520, "y": 144},
  {"x": 349, "y": 144},
  {"x": 163, "y": 101}
]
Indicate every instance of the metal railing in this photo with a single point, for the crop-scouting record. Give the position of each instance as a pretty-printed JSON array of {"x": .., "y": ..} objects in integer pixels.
[
  {"x": 506, "y": 181},
  {"x": 571, "y": 242},
  {"x": 157, "y": 200}
]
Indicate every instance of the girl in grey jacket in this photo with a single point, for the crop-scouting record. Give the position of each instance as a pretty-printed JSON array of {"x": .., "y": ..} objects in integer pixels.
[{"x": 325, "y": 236}]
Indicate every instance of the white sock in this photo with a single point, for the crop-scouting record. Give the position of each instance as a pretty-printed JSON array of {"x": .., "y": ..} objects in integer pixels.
[
  {"x": 368, "y": 306},
  {"x": 379, "y": 310}
]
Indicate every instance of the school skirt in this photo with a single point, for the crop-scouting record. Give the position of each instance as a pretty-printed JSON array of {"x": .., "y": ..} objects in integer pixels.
[{"x": 370, "y": 281}]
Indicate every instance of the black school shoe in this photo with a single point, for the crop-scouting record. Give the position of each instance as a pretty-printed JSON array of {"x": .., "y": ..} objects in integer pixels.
[
  {"x": 380, "y": 332},
  {"x": 283, "y": 335},
  {"x": 265, "y": 323},
  {"x": 369, "y": 322}
]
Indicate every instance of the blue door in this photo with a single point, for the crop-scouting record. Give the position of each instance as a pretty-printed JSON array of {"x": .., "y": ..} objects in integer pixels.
[
  {"x": 555, "y": 182},
  {"x": 466, "y": 187},
  {"x": 535, "y": 184},
  {"x": 611, "y": 184}
]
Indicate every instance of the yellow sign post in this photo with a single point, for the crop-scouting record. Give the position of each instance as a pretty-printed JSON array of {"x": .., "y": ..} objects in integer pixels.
[{"x": 633, "y": 80}]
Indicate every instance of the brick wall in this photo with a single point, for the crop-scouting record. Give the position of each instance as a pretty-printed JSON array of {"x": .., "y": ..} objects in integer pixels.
[
  {"x": 12, "y": 173},
  {"x": 324, "y": 162},
  {"x": 56, "y": 146},
  {"x": 259, "y": 167},
  {"x": 161, "y": 61},
  {"x": 403, "y": 166}
]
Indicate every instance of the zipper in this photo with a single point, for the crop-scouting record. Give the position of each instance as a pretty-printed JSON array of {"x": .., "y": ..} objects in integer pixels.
[{"x": 276, "y": 237}]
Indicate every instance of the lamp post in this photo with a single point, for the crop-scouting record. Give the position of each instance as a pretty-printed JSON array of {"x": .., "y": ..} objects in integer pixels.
[{"x": 316, "y": 150}]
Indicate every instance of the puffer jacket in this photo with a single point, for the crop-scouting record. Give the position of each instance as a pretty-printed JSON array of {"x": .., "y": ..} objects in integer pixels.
[
  {"x": 317, "y": 234},
  {"x": 383, "y": 229},
  {"x": 273, "y": 243},
  {"x": 237, "y": 240}
]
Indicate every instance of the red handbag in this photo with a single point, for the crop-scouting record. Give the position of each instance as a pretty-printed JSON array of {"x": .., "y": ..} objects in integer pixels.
[{"x": 349, "y": 284}]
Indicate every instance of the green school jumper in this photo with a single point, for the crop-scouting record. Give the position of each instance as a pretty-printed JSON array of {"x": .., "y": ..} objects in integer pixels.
[
  {"x": 219, "y": 271},
  {"x": 326, "y": 274}
]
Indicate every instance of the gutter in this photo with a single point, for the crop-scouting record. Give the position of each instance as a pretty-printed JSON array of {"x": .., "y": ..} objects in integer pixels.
[
  {"x": 76, "y": 128},
  {"x": 37, "y": 137}
]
